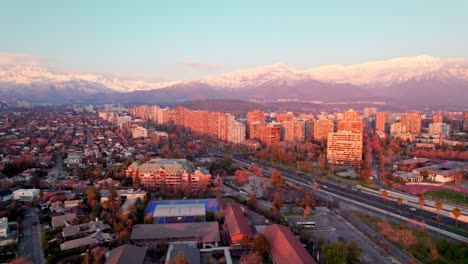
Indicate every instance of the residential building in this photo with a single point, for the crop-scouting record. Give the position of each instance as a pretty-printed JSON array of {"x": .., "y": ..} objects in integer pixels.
[
  {"x": 97, "y": 238},
  {"x": 172, "y": 173},
  {"x": 351, "y": 122},
  {"x": 437, "y": 118},
  {"x": 4, "y": 227},
  {"x": 270, "y": 134},
  {"x": 412, "y": 121},
  {"x": 87, "y": 228},
  {"x": 254, "y": 129},
  {"x": 285, "y": 247},
  {"x": 127, "y": 254},
  {"x": 63, "y": 220},
  {"x": 26, "y": 195},
  {"x": 369, "y": 111},
  {"x": 381, "y": 120},
  {"x": 322, "y": 128},
  {"x": 439, "y": 128},
  {"x": 344, "y": 148},
  {"x": 197, "y": 234},
  {"x": 139, "y": 132},
  {"x": 255, "y": 116},
  {"x": 294, "y": 130}
]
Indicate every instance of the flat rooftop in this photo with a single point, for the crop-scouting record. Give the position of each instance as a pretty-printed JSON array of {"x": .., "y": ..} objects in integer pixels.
[{"x": 176, "y": 210}]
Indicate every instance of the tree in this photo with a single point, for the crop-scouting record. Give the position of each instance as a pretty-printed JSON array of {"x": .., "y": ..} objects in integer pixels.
[
  {"x": 252, "y": 201},
  {"x": 277, "y": 179},
  {"x": 438, "y": 206},
  {"x": 181, "y": 259},
  {"x": 354, "y": 252},
  {"x": 277, "y": 203},
  {"x": 434, "y": 253},
  {"x": 422, "y": 201},
  {"x": 400, "y": 201},
  {"x": 335, "y": 253},
  {"x": 251, "y": 258},
  {"x": 241, "y": 176},
  {"x": 456, "y": 213},
  {"x": 137, "y": 183},
  {"x": 245, "y": 242},
  {"x": 304, "y": 236},
  {"x": 260, "y": 244},
  {"x": 384, "y": 195},
  {"x": 92, "y": 195}
]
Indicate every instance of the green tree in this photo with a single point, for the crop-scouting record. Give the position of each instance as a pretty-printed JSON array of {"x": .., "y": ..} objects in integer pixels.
[
  {"x": 335, "y": 253},
  {"x": 260, "y": 244}
]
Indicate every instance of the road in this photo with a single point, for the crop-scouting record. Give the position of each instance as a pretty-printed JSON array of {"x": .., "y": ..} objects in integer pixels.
[
  {"x": 428, "y": 217},
  {"x": 30, "y": 246}
]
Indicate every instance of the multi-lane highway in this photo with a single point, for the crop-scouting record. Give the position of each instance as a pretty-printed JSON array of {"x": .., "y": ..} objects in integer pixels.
[{"x": 408, "y": 210}]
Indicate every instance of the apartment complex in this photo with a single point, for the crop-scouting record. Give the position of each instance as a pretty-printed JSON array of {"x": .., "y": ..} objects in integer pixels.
[
  {"x": 294, "y": 130},
  {"x": 344, "y": 148},
  {"x": 351, "y": 122},
  {"x": 412, "y": 121},
  {"x": 381, "y": 120},
  {"x": 255, "y": 116},
  {"x": 139, "y": 132},
  {"x": 157, "y": 173},
  {"x": 322, "y": 128}
]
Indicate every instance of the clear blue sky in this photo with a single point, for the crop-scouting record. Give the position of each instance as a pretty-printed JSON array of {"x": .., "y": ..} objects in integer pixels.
[{"x": 176, "y": 40}]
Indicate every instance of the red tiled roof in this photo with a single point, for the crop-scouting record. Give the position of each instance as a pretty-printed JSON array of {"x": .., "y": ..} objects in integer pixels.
[
  {"x": 236, "y": 219},
  {"x": 285, "y": 247}
]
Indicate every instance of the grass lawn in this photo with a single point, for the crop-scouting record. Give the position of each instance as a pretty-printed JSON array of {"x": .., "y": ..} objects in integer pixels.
[
  {"x": 448, "y": 195},
  {"x": 447, "y": 251}
]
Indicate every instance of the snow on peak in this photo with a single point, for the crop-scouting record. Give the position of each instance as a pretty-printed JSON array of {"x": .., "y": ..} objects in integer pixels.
[{"x": 391, "y": 71}]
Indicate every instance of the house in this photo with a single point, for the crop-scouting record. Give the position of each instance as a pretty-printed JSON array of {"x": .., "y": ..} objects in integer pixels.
[
  {"x": 77, "y": 230},
  {"x": 445, "y": 171},
  {"x": 26, "y": 195},
  {"x": 127, "y": 254},
  {"x": 96, "y": 238},
  {"x": 179, "y": 213},
  {"x": 285, "y": 247},
  {"x": 63, "y": 220},
  {"x": 198, "y": 234},
  {"x": 237, "y": 222},
  {"x": 408, "y": 176},
  {"x": 4, "y": 227}
]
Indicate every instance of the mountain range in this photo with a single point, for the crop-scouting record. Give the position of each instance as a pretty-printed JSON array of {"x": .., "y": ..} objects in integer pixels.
[{"x": 419, "y": 81}]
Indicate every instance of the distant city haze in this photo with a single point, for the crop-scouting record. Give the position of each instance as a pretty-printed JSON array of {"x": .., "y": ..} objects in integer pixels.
[{"x": 160, "y": 41}]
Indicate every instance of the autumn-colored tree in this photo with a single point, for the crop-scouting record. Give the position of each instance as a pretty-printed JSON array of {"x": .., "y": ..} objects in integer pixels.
[
  {"x": 251, "y": 258},
  {"x": 181, "y": 259},
  {"x": 277, "y": 204},
  {"x": 245, "y": 242},
  {"x": 324, "y": 179},
  {"x": 456, "y": 213},
  {"x": 260, "y": 244},
  {"x": 252, "y": 201},
  {"x": 241, "y": 176},
  {"x": 137, "y": 183},
  {"x": 434, "y": 253},
  {"x": 399, "y": 201},
  {"x": 277, "y": 179},
  {"x": 438, "y": 206},
  {"x": 384, "y": 195},
  {"x": 92, "y": 195},
  {"x": 422, "y": 201}
]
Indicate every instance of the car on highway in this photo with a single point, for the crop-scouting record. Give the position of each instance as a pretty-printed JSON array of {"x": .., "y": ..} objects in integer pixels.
[
  {"x": 413, "y": 209},
  {"x": 325, "y": 187}
]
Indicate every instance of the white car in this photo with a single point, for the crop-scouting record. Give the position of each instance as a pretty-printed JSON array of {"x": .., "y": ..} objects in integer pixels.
[{"x": 413, "y": 209}]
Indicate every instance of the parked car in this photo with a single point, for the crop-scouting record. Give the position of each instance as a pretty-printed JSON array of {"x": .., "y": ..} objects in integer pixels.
[{"x": 413, "y": 209}]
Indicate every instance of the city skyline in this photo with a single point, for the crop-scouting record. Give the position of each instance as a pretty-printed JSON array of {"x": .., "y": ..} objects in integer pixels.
[{"x": 182, "y": 41}]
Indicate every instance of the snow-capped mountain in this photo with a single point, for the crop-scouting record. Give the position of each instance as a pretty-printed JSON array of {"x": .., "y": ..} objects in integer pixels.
[
  {"x": 415, "y": 80},
  {"x": 29, "y": 74}
]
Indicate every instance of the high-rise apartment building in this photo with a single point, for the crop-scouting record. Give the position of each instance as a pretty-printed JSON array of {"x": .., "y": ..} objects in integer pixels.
[
  {"x": 255, "y": 116},
  {"x": 139, "y": 132},
  {"x": 351, "y": 122},
  {"x": 270, "y": 134},
  {"x": 294, "y": 130},
  {"x": 412, "y": 121},
  {"x": 322, "y": 128},
  {"x": 369, "y": 111},
  {"x": 254, "y": 129},
  {"x": 381, "y": 119},
  {"x": 344, "y": 148},
  {"x": 439, "y": 128},
  {"x": 437, "y": 118}
]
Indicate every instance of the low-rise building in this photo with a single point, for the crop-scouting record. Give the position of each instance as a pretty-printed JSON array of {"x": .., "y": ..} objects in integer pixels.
[
  {"x": 285, "y": 247},
  {"x": 26, "y": 195},
  {"x": 408, "y": 176},
  {"x": 63, "y": 220},
  {"x": 127, "y": 254},
  {"x": 4, "y": 227},
  {"x": 198, "y": 234},
  {"x": 237, "y": 222},
  {"x": 179, "y": 213}
]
